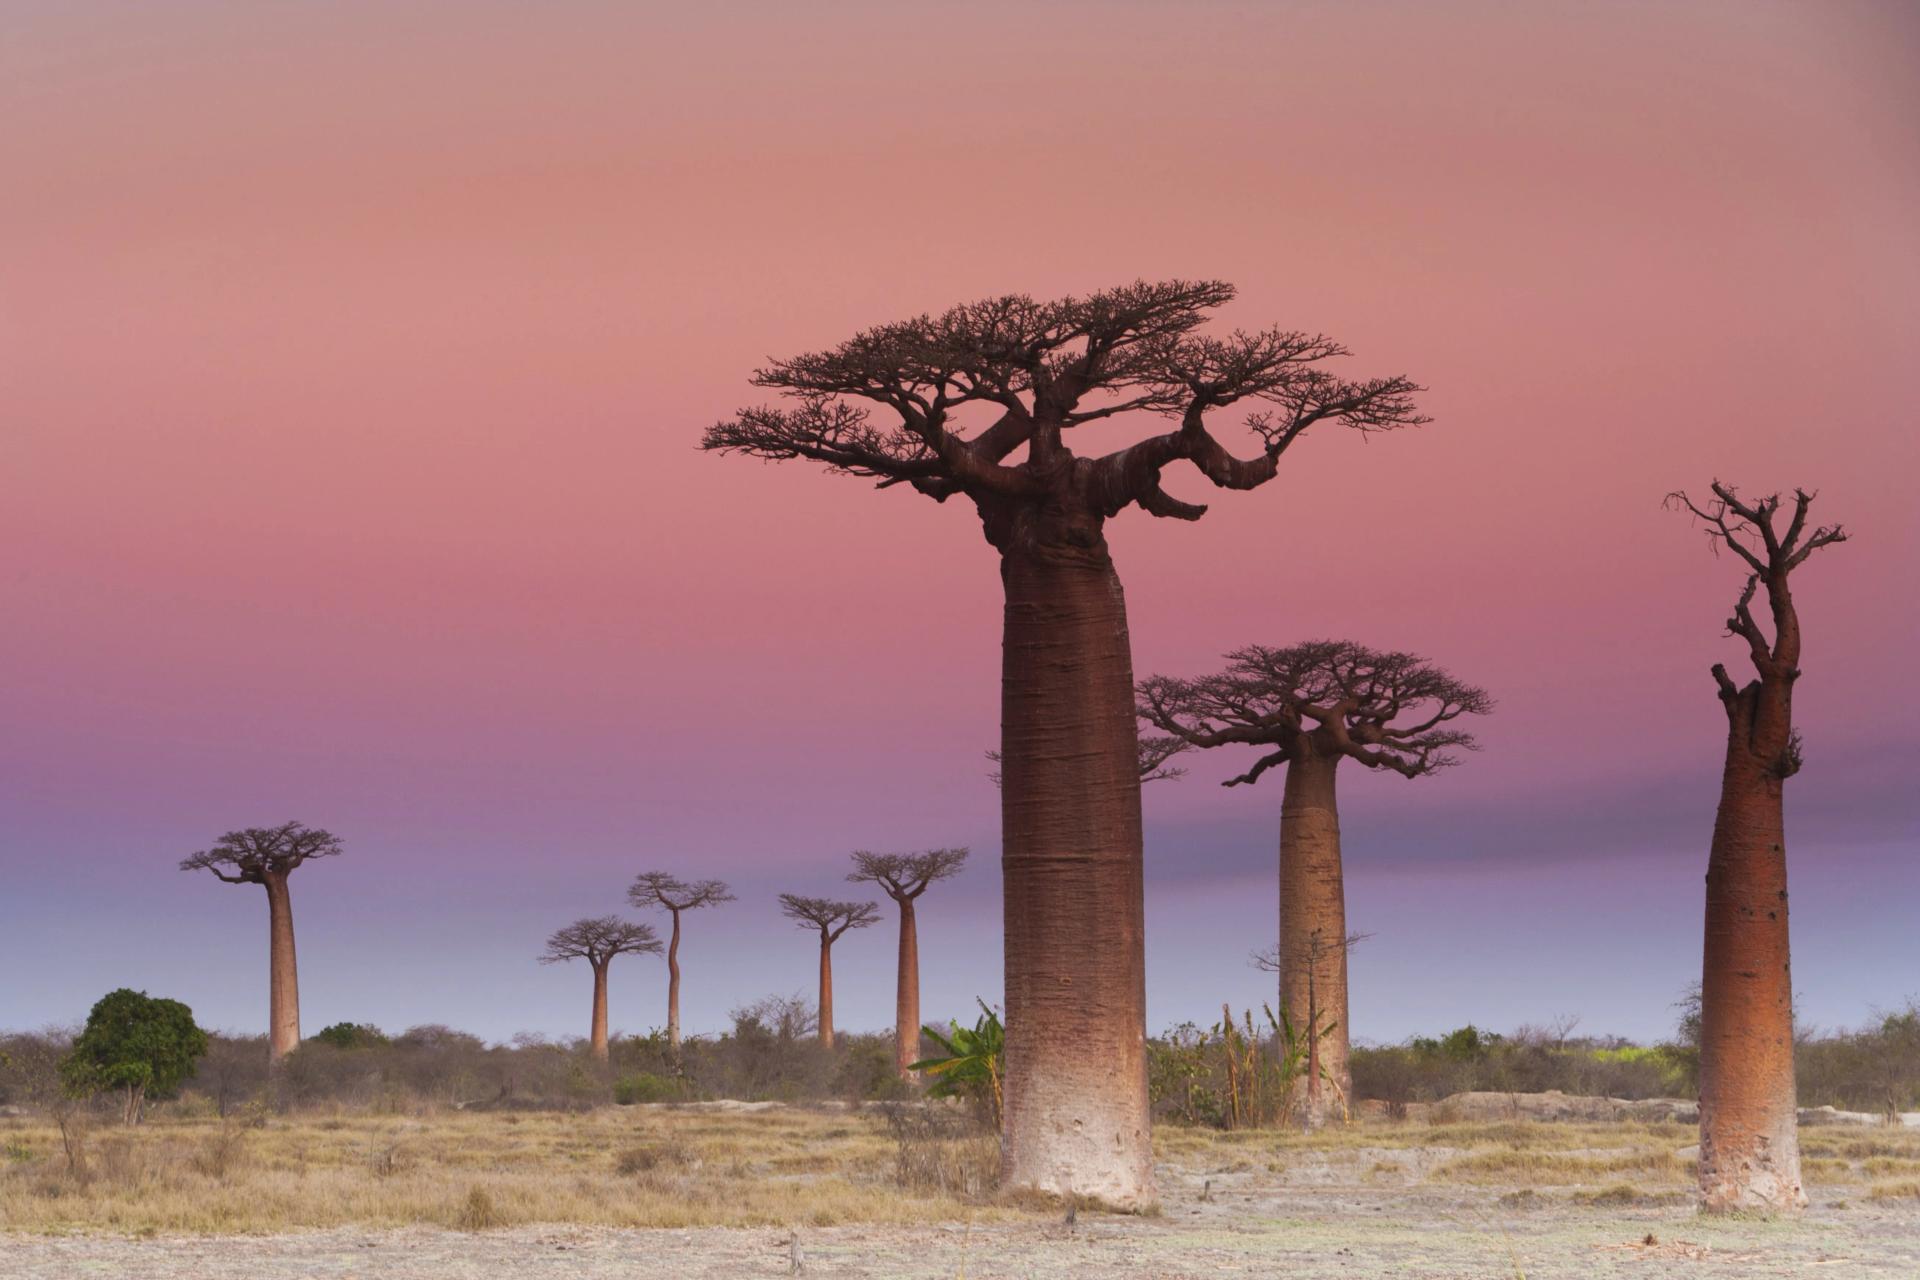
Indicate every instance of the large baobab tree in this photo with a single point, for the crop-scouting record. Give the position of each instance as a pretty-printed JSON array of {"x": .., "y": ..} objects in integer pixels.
[
  {"x": 980, "y": 403},
  {"x": 268, "y": 856},
  {"x": 1309, "y": 707},
  {"x": 658, "y": 889},
  {"x": 904, "y": 877},
  {"x": 597, "y": 940},
  {"x": 831, "y": 919},
  {"x": 1153, "y": 754},
  {"x": 1749, "y": 1150}
]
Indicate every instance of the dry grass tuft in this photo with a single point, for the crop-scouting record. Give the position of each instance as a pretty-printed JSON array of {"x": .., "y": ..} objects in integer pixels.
[{"x": 478, "y": 1213}]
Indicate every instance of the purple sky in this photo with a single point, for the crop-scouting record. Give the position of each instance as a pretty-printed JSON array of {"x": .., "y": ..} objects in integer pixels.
[{"x": 352, "y": 359}]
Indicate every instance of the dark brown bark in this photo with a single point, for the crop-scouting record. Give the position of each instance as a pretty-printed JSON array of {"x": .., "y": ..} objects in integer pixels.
[
  {"x": 826, "y": 990},
  {"x": 906, "y": 997},
  {"x": 1076, "y": 1119},
  {"x": 1313, "y": 929},
  {"x": 673, "y": 989},
  {"x": 597, "y": 1038},
  {"x": 283, "y": 978}
]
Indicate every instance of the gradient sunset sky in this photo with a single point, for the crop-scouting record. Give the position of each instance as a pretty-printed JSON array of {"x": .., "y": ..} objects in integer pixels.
[{"x": 353, "y": 359}]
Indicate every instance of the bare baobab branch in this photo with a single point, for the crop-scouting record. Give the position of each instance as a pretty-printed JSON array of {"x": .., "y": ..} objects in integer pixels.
[
  {"x": 1749, "y": 1147},
  {"x": 268, "y": 856}
]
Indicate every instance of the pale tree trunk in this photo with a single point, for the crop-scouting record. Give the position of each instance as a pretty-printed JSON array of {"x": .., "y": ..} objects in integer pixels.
[
  {"x": 673, "y": 991},
  {"x": 598, "y": 1040},
  {"x": 283, "y": 976},
  {"x": 826, "y": 991},
  {"x": 1749, "y": 1148},
  {"x": 1313, "y": 930},
  {"x": 906, "y": 999},
  {"x": 1076, "y": 1119}
]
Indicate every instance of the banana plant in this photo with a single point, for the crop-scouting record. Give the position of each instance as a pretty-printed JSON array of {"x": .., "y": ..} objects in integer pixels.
[{"x": 971, "y": 1066}]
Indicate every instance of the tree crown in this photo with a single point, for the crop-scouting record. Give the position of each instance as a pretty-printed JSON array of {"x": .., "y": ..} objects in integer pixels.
[
  {"x": 134, "y": 1041},
  {"x": 1036, "y": 370},
  {"x": 598, "y": 940},
  {"x": 669, "y": 892},
  {"x": 831, "y": 917},
  {"x": 1385, "y": 709},
  {"x": 255, "y": 854},
  {"x": 905, "y": 876}
]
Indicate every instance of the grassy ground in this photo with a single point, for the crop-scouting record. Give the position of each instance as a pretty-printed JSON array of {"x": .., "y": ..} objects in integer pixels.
[{"x": 466, "y": 1193}]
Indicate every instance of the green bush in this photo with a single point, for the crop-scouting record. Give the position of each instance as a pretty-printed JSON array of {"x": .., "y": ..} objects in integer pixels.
[
  {"x": 352, "y": 1035},
  {"x": 642, "y": 1086}
]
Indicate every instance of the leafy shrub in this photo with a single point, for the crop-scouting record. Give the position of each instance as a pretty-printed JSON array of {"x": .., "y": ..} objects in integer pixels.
[{"x": 644, "y": 1087}]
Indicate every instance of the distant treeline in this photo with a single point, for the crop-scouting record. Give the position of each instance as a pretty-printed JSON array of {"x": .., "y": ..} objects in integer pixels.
[{"x": 769, "y": 1053}]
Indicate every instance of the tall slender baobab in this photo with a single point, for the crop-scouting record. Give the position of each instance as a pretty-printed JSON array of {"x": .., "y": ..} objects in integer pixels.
[
  {"x": 831, "y": 919},
  {"x": 904, "y": 877},
  {"x": 1076, "y": 1115},
  {"x": 597, "y": 940},
  {"x": 267, "y": 856},
  {"x": 1312, "y": 706},
  {"x": 659, "y": 889},
  {"x": 1749, "y": 1149}
]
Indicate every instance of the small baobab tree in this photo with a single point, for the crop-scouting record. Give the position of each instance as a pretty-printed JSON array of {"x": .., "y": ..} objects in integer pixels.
[
  {"x": 980, "y": 402},
  {"x": 661, "y": 891},
  {"x": 597, "y": 940},
  {"x": 904, "y": 877},
  {"x": 831, "y": 919},
  {"x": 1749, "y": 1149},
  {"x": 1309, "y": 707},
  {"x": 267, "y": 856}
]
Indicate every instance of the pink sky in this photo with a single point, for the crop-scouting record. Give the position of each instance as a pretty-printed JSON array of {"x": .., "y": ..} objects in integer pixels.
[{"x": 352, "y": 359}]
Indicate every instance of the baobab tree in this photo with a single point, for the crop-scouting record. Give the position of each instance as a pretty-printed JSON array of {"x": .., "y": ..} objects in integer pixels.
[
  {"x": 267, "y": 856},
  {"x": 831, "y": 919},
  {"x": 904, "y": 877},
  {"x": 597, "y": 940},
  {"x": 658, "y": 889},
  {"x": 1749, "y": 1150},
  {"x": 980, "y": 402},
  {"x": 1309, "y": 707}
]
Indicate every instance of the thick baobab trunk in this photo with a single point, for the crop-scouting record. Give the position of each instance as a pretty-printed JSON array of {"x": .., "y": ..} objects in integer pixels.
[
  {"x": 598, "y": 1040},
  {"x": 1749, "y": 1149},
  {"x": 673, "y": 991},
  {"x": 826, "y": 991},
  {"x": 283, "y": 975},
  {"x": 1313, "y": 932},
  {"x": 1076, "y": 1117},
  {"x": 906, "y": 997}
]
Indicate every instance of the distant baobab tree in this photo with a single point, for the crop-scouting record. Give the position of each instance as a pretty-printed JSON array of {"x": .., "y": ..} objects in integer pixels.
[
  {"x": 978, "y": 402},
  {"x": 597, "y": 940},
  {"x": 904, "y": 877},
  {"x": 1310, "y": 706},
  {"x": 267, "y": 856},
  {"x": 831, "y": 919},
  {"x": 658, "y": 889},
  {"x": 1749, "y": 1149}
]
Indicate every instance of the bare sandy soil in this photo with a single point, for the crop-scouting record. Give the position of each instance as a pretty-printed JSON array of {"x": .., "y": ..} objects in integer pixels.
[{"x": 1354, "y": 1213}]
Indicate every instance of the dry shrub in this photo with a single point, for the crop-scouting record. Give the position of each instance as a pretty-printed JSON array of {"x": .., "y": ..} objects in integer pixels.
[
  {"x": 943, "y": 1152},
  {"x": 478, "y": 1213},
  {"x": 646, "y": 1159},
  {"x": 221, "y": 1152}
]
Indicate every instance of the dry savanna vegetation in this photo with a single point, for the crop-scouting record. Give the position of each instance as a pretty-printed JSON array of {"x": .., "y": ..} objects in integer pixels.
[{"x": 811, "y": 1167}]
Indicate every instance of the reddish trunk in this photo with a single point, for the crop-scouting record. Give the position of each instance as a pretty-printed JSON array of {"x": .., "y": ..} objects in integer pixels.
[
  {"x": 826, "y": 990},
  {"x": 673, "y": 989},
  {"x": 1076, "y": 1112},
  {"x": 1749, "y": 1149},
  {"x": 598, "y": 1037},
  {"x": 906, "y": 1000},
  {"x": 1313, "y": 930},
  {"x": 283, "y": 979}
]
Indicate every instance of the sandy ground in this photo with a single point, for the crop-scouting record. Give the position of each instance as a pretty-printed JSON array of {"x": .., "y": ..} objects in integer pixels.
[{"x": 1320, "y": 1219}]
